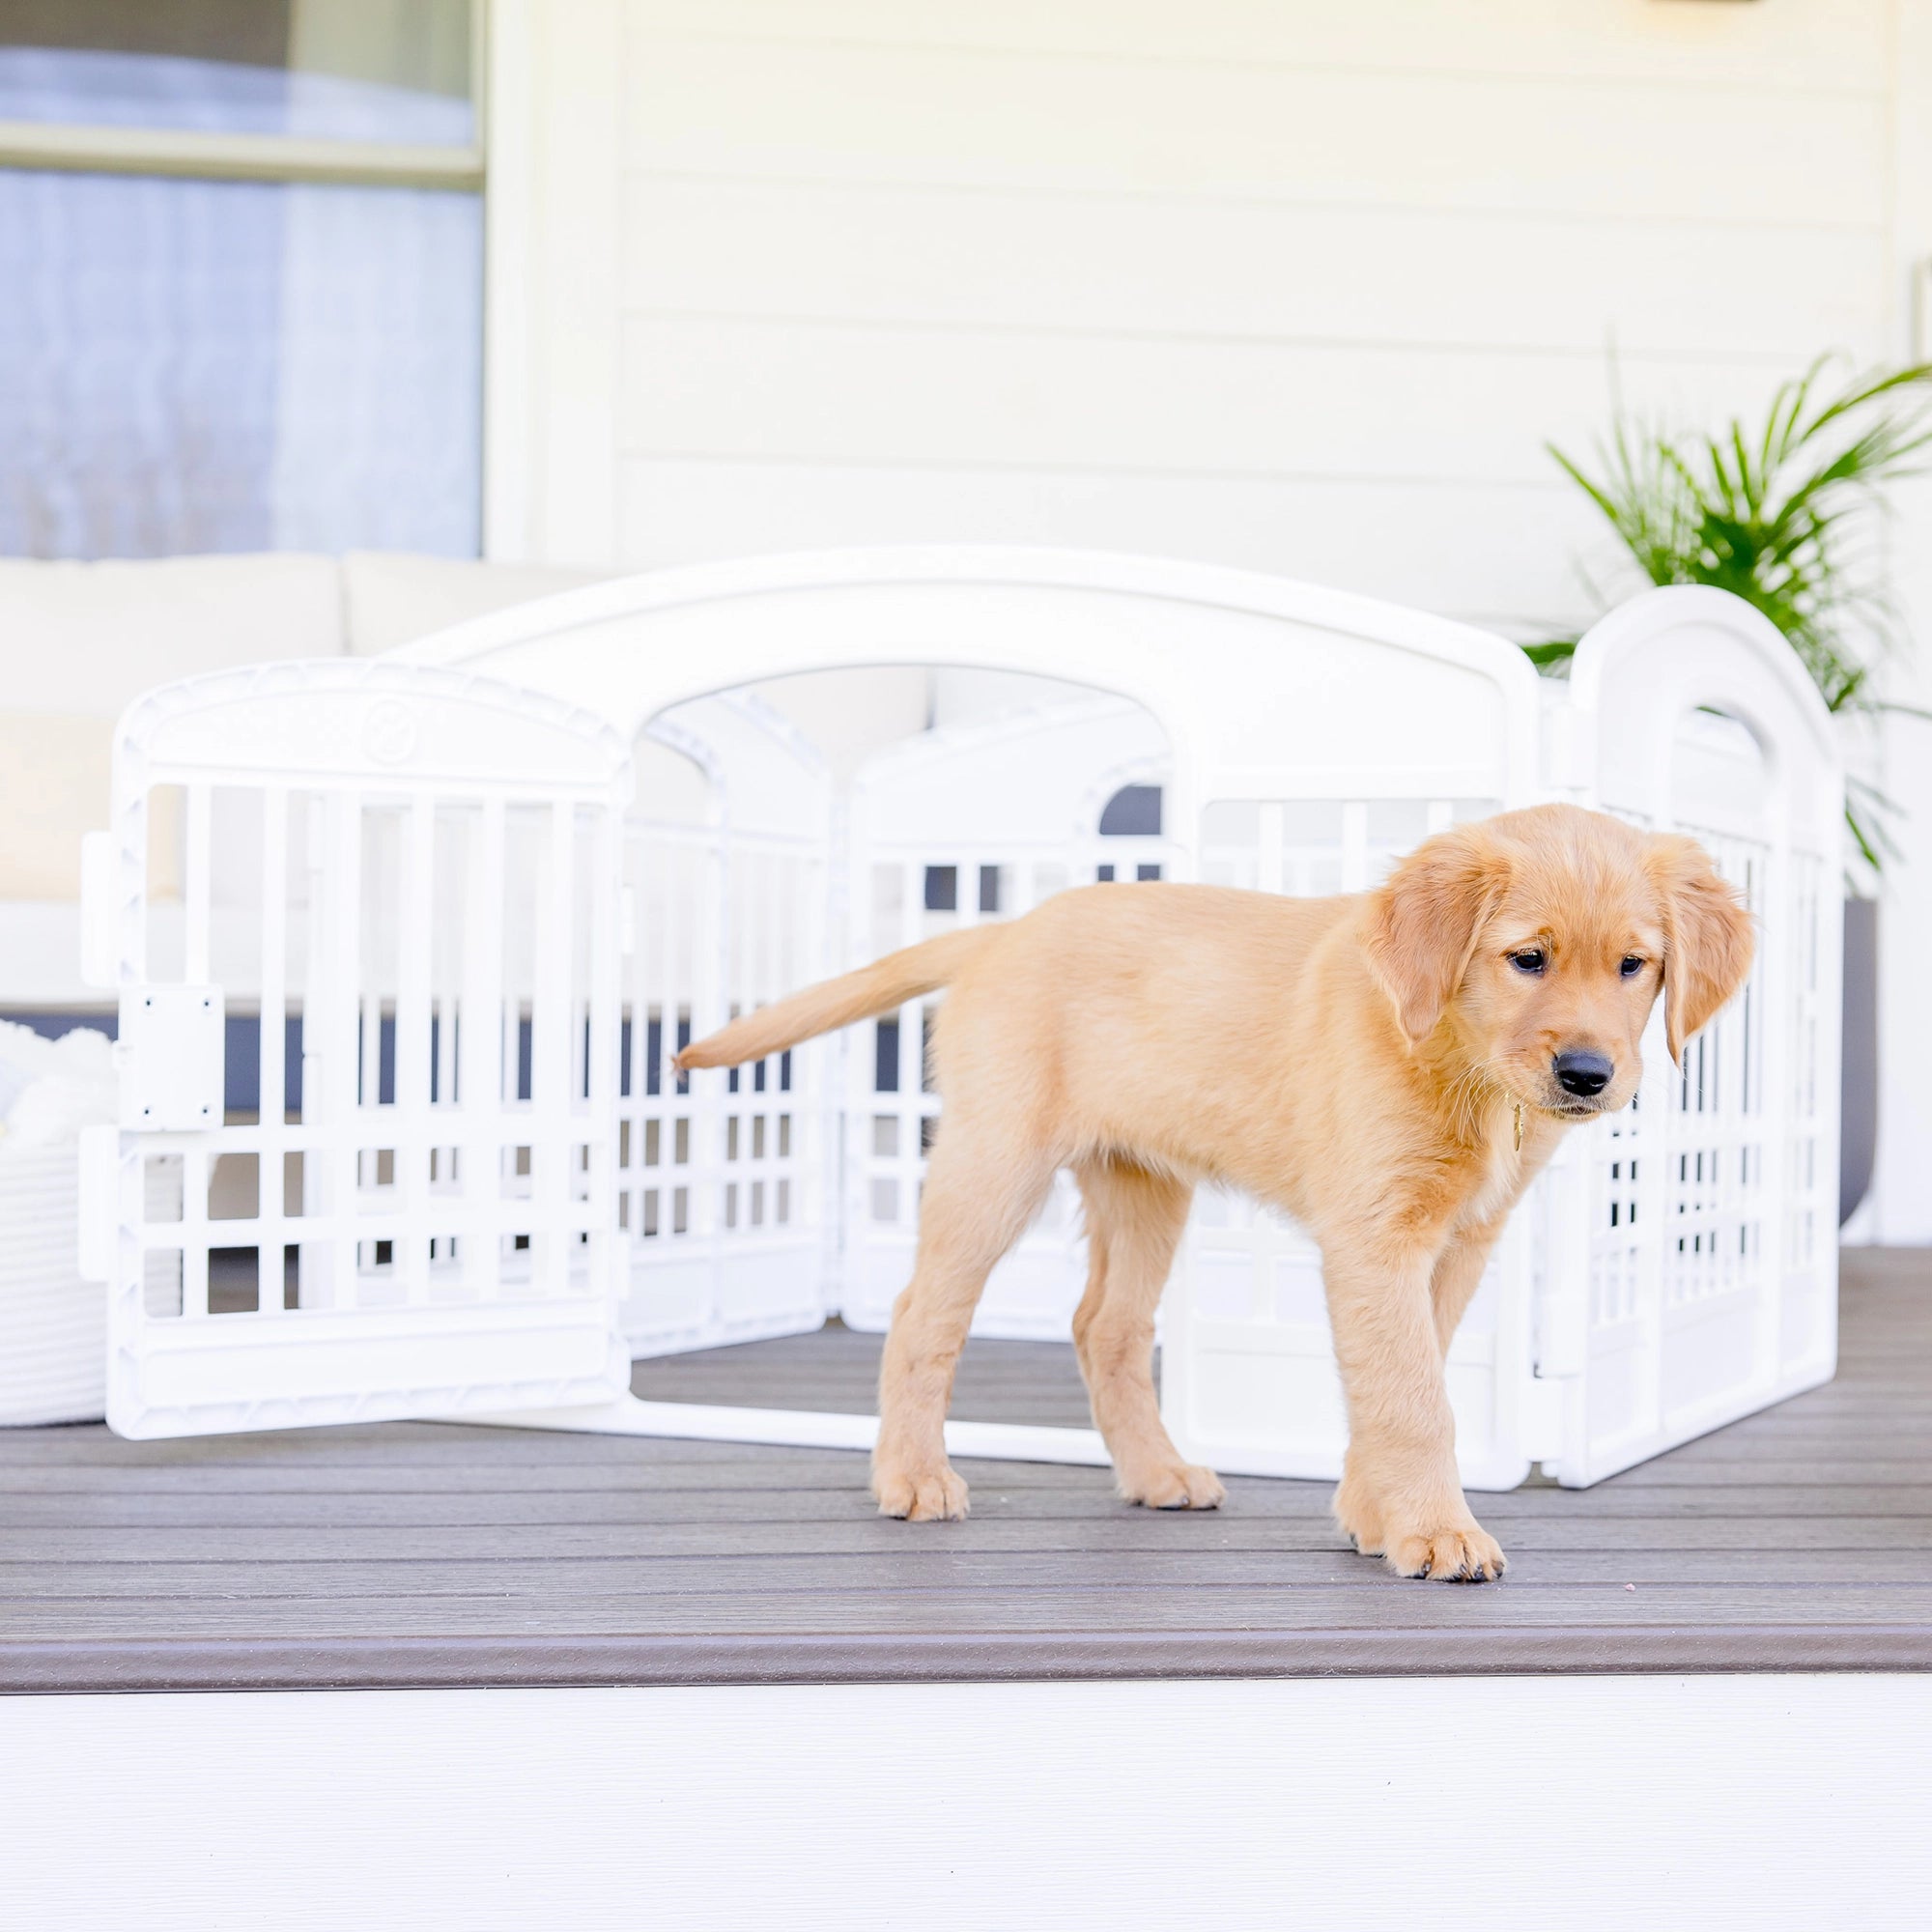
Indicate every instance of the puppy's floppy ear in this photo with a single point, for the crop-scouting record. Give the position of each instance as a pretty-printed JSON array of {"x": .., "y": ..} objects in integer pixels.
[
  {"x": 1708, "y": 940},
  {"x": 1424, "y": 919}
]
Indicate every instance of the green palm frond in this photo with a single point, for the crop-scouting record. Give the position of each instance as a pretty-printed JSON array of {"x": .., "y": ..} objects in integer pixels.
[{"x": 1788, "y": 518}]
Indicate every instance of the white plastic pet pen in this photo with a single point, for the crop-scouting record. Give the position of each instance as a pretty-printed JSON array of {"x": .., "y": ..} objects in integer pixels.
[{"x": 464, "y": 902}]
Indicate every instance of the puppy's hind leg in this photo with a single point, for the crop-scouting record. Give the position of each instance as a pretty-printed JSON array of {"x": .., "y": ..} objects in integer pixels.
[
  {"x": 982, "y": 1188},
  {"x": 1134, "y": 1221}
]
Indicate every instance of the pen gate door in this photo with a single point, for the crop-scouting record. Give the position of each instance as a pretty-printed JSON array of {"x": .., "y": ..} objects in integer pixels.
[
  {"x": 392, "y": 888},
  {"x": 1707, "y": 1285}
]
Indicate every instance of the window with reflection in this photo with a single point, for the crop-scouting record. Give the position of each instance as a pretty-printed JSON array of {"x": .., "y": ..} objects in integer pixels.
[{"x": 242, "y": 245}]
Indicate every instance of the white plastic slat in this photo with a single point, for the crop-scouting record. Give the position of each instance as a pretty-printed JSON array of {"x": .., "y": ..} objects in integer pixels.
[
  {"x": 272, "y": 1230},
  {"x": 350, "y": 1042},
  {"x": 551, "y": 1057},
  {"x": 413, "y": 1127},
  {"x": 603, "y": 1037},
  {"x": 482, "y": 1073}
]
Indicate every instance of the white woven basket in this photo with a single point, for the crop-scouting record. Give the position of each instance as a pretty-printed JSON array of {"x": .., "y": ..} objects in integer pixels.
[{"x": 53, "y": 1326}]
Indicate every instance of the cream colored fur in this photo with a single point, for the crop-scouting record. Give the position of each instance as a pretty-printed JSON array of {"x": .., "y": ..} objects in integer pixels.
[{"x": 1361, "y": 1063}]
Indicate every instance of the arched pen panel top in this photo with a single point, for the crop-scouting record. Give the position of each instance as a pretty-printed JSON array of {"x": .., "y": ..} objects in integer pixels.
[
  {"x": 374, "y": 721},
  {"x": 1671, "y": 652},
  {"x": 1249, "y": 675}
]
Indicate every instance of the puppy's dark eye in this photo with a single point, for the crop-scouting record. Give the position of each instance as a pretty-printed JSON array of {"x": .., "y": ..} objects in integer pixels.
[
  {"x": 1631, "y": 966},
  {"x": 1531, "y": 959}
]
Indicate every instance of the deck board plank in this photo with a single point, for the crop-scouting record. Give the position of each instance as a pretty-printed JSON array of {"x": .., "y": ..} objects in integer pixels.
[{"x": 396, "y": 1554}]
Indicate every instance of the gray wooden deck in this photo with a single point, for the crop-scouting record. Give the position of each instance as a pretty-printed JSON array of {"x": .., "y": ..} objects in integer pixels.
[{"x": 414, "y": 1554}]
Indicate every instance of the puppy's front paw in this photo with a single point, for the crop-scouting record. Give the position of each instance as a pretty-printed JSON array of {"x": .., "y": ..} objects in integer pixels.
[
  {"x": 1454, "y": 1549},
  {"x": 919, "y": 1495},
  {"x": 1466, "y": 1553},
  {"x": 1173, "y": 1486}
]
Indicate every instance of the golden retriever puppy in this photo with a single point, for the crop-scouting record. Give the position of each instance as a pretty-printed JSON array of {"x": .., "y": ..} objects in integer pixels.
[{"x": 1390, "y": 1067}]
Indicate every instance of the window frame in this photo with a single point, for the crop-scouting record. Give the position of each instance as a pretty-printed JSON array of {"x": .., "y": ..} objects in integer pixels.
[{"x": 80, "y": 148}]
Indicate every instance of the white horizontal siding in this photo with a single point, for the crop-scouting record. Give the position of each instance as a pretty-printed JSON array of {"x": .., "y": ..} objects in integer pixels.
[
  {"x": 727, "y": 386},
  {"x": 958, "y": 117},
  {"x": 1799, "y": 44},
  {"x": 1294, "y": 286},
  {"x": 1495, "y": 555},
  {"x": 1464, "y": 278}
]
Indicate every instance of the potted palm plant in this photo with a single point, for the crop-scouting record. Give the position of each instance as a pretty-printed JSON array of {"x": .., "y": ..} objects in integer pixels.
[{"x": 1790, "y": 517}]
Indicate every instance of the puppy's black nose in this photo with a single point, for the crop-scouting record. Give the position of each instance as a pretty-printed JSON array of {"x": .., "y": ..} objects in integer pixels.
[{"x": 1584, "y": 1073}]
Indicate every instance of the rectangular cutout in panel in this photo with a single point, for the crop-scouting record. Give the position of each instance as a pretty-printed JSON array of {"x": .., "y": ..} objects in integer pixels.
[
  {"x": 237, "y": 834},
  {"x": 161, "y": 1282},
  {"x": 234, "y": 1188},
  {"x": 234, "y": 1281},
  {"x": 161, "y": 1187},
  {"x": 167, "y": 859}
]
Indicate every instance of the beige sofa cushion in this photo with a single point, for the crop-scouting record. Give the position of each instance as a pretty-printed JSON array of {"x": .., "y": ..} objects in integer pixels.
[
  {"x": 53, "y": 786},
  {"x": 86, "y": 638},
  {"x": 393, "y": 599}
]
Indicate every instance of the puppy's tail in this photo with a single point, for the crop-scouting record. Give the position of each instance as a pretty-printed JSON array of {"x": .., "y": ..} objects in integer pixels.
[{"x": 876, "y": 989}]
